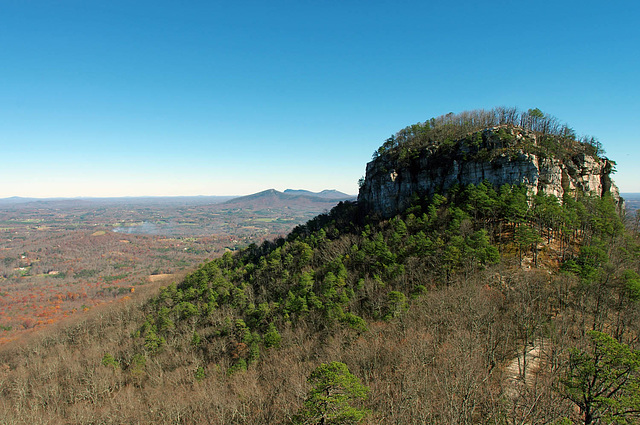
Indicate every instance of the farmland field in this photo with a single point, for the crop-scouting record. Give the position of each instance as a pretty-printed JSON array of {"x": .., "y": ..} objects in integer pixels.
[{"x": 59, "y": 258}]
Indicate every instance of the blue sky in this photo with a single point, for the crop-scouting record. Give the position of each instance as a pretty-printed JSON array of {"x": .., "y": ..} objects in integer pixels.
[{"x": 126, "y": 98}]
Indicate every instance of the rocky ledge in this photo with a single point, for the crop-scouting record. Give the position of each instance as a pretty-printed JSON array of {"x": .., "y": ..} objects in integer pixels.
[{"x": 499, "y": 155}]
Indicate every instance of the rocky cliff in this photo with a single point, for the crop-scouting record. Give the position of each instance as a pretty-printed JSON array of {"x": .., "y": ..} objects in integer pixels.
[{"x": 500, "y": 155}]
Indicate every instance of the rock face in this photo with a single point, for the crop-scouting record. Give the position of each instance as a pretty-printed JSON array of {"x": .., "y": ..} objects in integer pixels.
[{"x": 392, "y": 179}]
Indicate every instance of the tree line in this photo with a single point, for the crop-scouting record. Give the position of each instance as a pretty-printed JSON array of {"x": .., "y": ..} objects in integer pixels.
[{"x": 553, "y": 136}]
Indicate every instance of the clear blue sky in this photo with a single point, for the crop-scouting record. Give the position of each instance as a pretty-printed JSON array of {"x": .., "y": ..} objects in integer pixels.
[{"x": 121, "y": 98}]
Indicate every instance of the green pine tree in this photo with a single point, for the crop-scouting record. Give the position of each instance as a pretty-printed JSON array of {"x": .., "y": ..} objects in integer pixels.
[{"x": 332, "y": 398}]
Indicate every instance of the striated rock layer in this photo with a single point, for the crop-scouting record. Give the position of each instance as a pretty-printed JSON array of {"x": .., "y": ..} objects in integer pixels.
[{"x": 391, "y": 178}]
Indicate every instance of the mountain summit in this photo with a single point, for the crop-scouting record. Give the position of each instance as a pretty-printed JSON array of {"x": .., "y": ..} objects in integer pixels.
[
  {"x": 328, "y": 194},
  {"x": 499, "y": 146},
  {"x": 272, "y": 198}
]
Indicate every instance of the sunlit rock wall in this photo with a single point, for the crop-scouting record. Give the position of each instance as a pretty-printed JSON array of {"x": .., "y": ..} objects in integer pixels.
[{"x": 390, "y": 183}]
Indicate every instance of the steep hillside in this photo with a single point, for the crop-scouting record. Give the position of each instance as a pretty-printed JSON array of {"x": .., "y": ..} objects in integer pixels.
[{"x": 480, "y": 304}]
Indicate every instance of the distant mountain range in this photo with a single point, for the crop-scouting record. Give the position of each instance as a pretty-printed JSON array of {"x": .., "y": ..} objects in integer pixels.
[
  {"x": 269, "y": 198},
  {"x": 272, "y": 198},
  {"x": 327, "y": 194}
]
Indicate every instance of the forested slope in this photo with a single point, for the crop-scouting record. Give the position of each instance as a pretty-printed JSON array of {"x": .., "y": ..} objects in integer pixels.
[{"x": 483, "y": 304}]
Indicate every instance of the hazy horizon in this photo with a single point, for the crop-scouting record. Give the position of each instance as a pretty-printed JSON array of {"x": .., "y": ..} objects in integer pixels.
[
  {"x": 165, "y": 196},
  {"x": 226, "y": 99}
]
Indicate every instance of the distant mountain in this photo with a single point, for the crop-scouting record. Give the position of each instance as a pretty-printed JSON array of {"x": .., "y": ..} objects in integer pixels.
[
  {"x": 16, "y": 200},
  {"x": 272, "y": 198},
  {"x": 327, "y": 194},
  {"x": 19, "y": 202}
]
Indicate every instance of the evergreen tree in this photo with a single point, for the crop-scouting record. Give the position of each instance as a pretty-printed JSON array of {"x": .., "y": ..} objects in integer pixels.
[
  {"x": 331, "y": 399},
  {"x": 603, "y": 380}
]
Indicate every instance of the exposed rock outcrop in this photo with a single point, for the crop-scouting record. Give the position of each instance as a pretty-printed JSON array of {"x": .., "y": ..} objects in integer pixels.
[{"x": 499, "y": 155}]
